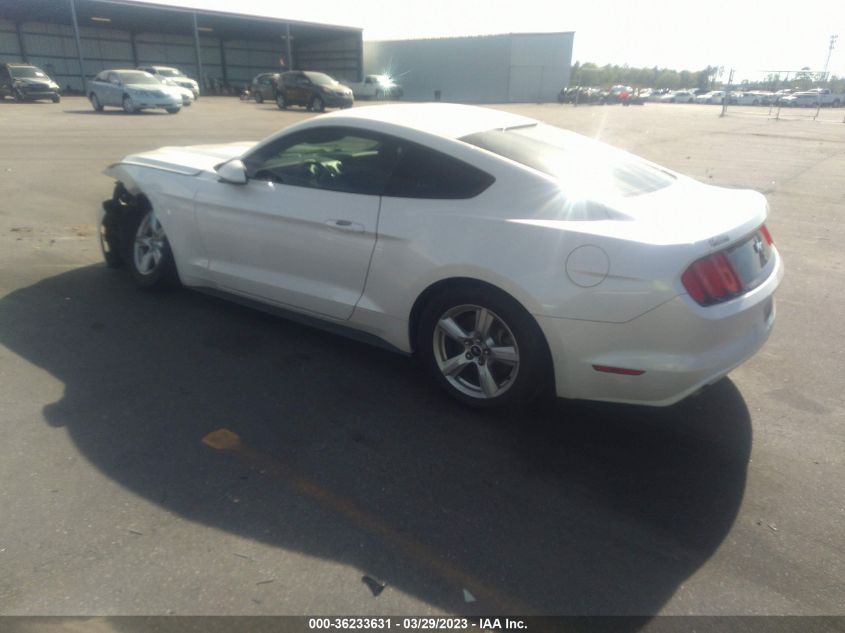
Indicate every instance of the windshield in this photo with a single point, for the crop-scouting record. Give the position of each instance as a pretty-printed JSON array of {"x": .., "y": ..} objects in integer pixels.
[
  {"x": 579, "y": 163},
  {"x": 27, "y": 71},
  {"x": 170, "y": 72},
  {"x": 321, "y": 79},
  {"x": 138, "y": 78}
]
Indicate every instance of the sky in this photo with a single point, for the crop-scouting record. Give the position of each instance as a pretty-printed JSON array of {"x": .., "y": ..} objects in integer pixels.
[{"x": 750, "y": 36}]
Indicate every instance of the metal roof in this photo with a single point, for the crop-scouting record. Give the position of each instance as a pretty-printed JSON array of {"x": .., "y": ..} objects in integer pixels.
[{"x": 139, "y": 17}]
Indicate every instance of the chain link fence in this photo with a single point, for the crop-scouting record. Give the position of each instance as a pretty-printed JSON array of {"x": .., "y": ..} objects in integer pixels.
[{"x": 802, "y": 94}]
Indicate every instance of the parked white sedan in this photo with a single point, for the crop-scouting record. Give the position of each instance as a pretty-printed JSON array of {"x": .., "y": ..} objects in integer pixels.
[
  {"x": 132, "y": 90},
  {"x": 510, "y": 255}
]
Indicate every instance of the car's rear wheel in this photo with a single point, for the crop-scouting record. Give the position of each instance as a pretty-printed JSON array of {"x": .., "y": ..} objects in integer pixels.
[
  {"x": 280, "y": 101},
  {"x": 318, "y": 105},
  {"x": 482, "y": 347},
  {"x": 259, "y": 98},
  {"x": 173, "y": 110},
  {"x": 128, "y": 105},
  {"x": 95, "y": 102},
  {"x": 148, "y": 253}
]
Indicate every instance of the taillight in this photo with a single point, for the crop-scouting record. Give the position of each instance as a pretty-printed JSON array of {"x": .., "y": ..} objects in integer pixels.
[{"x": 711, "y": 280}]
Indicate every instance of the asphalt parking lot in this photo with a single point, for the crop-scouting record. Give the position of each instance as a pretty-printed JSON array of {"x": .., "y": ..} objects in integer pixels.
[{"x": 125, "y": 490}]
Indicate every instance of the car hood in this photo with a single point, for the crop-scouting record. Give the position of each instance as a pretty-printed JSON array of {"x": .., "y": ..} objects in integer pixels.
[
  {"x": 191, "y": 160},
  {"x": 35, "y": 81},
  {"x": 146, "y": 87}
]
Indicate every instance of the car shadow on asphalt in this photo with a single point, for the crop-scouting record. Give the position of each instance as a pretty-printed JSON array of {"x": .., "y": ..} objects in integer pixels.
[
  {"x": 349, "y": 453},
  {"x": 117, "y": 111}
]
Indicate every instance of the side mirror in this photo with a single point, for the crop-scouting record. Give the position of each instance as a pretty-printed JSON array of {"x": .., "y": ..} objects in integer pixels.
[{"x": 232, "y": 171}]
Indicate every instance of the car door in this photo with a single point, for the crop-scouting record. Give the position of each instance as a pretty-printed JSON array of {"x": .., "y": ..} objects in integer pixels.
[
  {"x": 301, "y": 231},
  {"x": 113, "y": 90}
]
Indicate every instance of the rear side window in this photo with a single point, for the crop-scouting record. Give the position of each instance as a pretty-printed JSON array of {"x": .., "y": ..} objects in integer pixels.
[
  {"x": 425, "y": 173},
  {"x": 579, "y": 163}
]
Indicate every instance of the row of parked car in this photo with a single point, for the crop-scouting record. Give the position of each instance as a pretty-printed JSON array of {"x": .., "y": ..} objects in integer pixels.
[
  {"x": 627, "y": 94},
  {"x": 132, "y": 89},
  {"x": 316, "y": 90}
]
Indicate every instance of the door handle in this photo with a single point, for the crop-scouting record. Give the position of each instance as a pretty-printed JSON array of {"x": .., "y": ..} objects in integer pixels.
[{"x": 345, "y": 225}]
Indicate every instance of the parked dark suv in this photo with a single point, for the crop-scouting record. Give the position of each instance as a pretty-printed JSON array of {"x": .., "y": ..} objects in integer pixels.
[
  {"x": 316, "y": 91},
  {"x": 27, "y": 83}
]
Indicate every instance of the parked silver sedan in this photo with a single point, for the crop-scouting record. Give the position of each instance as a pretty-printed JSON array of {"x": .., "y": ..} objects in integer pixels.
[{"x": 132, "y": 90}]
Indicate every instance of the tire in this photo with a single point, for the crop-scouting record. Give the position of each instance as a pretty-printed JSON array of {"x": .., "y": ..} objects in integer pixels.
[
  {"x": 95, "y": 102},
  {"x": 173, "y": 110},
  {"x": 505, "y": 363},
  {"x": 109, "y": 232},
  {"x": 259, "y": 98},
  {"x": 281, "y": 103},
  {"x": 146, "y": 250},
  {"x": 835, "y": 103},
  {"x": 317, "y": 105},
  {"x": 56, "y": 98},
  {"x": 19, "y": 96},
  {"x": 128, "y": 105}
]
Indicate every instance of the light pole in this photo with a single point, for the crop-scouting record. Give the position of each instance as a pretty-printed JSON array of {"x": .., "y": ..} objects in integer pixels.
[{"x": 833, "y": 39}]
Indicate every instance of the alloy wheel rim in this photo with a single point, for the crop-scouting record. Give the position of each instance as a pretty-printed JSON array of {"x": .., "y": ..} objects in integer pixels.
[
  {"x": 476, "y": 351},
  {"x": 148, "y": 249}
]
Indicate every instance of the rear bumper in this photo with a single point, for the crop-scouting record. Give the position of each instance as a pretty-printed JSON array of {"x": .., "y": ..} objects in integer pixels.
[
  {"x": 680, "y": 346},
  {"x": 337, "y": 102},
  {"x": 40, "y": 94}
]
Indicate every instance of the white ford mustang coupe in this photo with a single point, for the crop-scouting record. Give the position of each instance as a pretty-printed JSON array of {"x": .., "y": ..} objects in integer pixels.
[{"x": 510, "y": 255}]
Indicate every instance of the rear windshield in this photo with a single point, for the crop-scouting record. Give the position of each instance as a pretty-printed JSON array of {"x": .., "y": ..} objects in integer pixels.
[
  {"x": 320, "y": 79},
  {"x": 578, "y": 162}
]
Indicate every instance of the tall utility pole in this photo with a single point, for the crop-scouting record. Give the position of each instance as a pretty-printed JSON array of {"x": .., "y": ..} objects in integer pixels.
[{"x": 833, "y": 39}]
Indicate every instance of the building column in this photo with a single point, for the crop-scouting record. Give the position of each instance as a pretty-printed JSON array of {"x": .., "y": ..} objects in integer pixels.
[
  {"x": 21, "y": 47},
  {"x": 288, "y": 48},
  {"x": 134, "y": 48},
  {"x": 223, "y": 65},
  {"x": 360, "y": 57},
  {"x": 78, "y": 47},
  {"x": 199, "y": 54}
]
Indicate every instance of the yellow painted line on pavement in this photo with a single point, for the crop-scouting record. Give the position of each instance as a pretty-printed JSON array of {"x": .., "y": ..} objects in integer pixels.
[{"x": 229, "y": 441}]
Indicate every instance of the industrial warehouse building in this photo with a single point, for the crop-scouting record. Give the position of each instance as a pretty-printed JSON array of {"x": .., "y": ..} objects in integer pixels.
[
  {"x": 72, "y": 38},
  {"x": 517, "y": 67}
]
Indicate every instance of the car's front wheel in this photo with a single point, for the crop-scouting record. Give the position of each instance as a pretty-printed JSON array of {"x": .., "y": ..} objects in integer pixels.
[
  {"x": 148, "y": 255},
  {"x": 483, "y": 347},
  {"x": 318, "y": 105},
  {"x": 173, "y": 110},
  {"x": 128, "y": 105},
  {"x": 95, "y": 103},
  {"x": 280, "y": 101}
]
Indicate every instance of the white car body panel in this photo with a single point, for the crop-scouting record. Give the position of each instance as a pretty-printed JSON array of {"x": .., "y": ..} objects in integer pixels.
[{"x": 604, "y": 292}]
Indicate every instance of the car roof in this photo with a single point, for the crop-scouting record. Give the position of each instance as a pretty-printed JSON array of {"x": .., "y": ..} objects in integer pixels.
[{"x": 449, "y": 120}]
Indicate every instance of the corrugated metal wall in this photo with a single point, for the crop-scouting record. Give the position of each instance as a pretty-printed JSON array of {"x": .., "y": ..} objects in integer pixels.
[
  {"x": 53, "y": 48},
  {"x": 487, "y": 69},
  {"x": 339, "y": 57}
]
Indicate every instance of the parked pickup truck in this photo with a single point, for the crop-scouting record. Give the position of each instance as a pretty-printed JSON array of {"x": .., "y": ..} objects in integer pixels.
[
  {"x": 814, "y": 98},
  {"x": 375, "y": 87}
]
